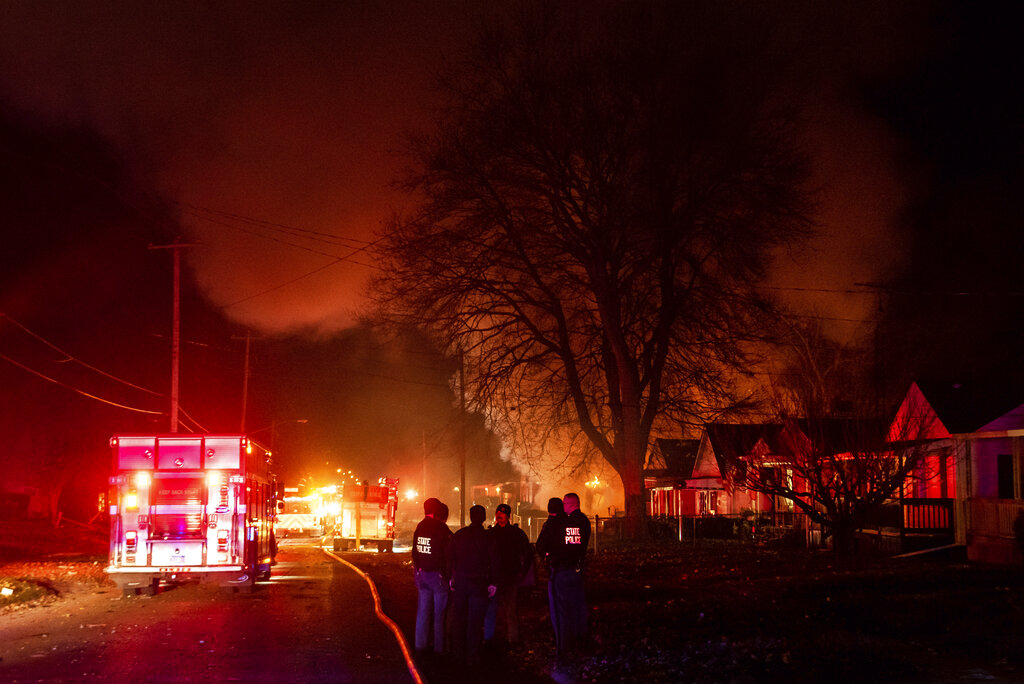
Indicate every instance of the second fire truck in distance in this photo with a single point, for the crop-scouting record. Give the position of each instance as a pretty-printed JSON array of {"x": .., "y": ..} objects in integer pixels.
[{"x": 367, "y": 515}]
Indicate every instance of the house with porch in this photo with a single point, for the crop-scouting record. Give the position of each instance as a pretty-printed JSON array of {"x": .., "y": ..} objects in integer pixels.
[
  {"x": 670, "y": 464},
  {"x": 698, "y": 477},
  {"x": 722, "y": 477},
  {"x": 976, "y": 445}
]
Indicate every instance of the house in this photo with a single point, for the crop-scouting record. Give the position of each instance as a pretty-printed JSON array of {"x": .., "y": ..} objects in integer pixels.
[
  {"x": 722, "y": 462},
  {"x": 977, "y": 432},
  {"x": 693, "y": 477},
  {"x": 669, "y": 465},
  {"x": 966, "y": 486}
]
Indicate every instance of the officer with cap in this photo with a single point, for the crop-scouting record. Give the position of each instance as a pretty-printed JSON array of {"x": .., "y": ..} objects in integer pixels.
[{"x": 515, "y": 558}]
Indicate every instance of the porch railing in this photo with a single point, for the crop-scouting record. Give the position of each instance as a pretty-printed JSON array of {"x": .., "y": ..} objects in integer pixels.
[
  {"x": 928, "y": 515},
  {"x": 993, "y": 517}
]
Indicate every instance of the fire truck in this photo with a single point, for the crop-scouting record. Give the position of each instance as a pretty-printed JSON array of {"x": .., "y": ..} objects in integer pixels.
[
  {"x": 301, "y": 515},
  {"x": 367, "y": 515},
  {"x": 190, "y": 508}
]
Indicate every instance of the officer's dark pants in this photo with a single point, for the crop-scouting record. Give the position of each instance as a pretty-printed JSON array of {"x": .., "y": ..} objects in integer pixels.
[
  {"x": 569, "y": 618},
  {"x": 432, "y": 590},
  {"x": 503, "y": 606},
  {"x": 469, "y": 605}
]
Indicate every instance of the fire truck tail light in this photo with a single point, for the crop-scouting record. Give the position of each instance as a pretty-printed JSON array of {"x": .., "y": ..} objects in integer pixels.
[
  {"x": 131, "y": 539},
  {"x": 131, "y": 501}
]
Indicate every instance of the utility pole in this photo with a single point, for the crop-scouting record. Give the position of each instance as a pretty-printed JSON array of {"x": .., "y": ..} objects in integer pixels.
[
  {"x": 462, "y": 440},
  {"x": 245, "y": 381},
  {"x": 176, "y": 334}
]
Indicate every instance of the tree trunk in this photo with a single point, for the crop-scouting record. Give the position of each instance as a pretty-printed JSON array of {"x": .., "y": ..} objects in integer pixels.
[
  {"x": 843, "y": 537},
  {"x": 631, "y": 474}
]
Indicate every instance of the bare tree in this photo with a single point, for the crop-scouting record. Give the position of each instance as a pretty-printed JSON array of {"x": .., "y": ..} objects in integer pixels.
[
  {"x": 840, "y": 453},
  {"x": 597, "y": 203}
]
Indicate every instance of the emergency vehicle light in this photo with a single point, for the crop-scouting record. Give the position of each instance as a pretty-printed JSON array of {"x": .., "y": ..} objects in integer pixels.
[
  {"x": 142, "y": 479},
  {"x": 131, "y": 501},
  {"x": 213, "y": 478}
]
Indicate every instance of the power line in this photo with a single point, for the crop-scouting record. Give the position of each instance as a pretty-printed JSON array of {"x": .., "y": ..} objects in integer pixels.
[
  {"x": 206, "y": 214},
  {"x": 821, "y": 290},
  {"x": 282, "y": 285},
  {"x": 69, "y": 357},
  {"x": 306, "y": 233},
  {"x": 75, "y": 389}
]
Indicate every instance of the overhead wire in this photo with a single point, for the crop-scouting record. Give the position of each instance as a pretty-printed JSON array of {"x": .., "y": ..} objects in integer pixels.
[
  {"x": 364, "y": 246},
  {"x": 328, "y": 238},
  {"x": 195, "y": 422},
  {"x": 75, "y": 389},
  {"x": 71, "y": 358}
]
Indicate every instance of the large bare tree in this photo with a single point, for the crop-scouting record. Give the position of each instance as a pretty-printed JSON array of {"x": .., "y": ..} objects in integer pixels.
[
  {"x": 843, "y": 453},
  {"x": 597, "y": 203}
]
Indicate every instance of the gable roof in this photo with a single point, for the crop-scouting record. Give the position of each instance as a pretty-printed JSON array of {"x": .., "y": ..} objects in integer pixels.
[
  {"x": 968, "y": 407},
  {"x": 672, "y": 458},
  {"x": 732, "y": 440},
  {"x": 839, "y": 435}
]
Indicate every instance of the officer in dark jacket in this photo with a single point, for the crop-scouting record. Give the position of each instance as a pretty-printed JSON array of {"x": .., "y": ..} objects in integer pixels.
[
  {"x": 473, "y": 563},
  {"x": 577, "y": 540},
  {"x": 566, "y": 549},
  {"x": 515, "y": 557},
  {"x": 430, "y": 562},
  {"x": 546, "y": 543}
]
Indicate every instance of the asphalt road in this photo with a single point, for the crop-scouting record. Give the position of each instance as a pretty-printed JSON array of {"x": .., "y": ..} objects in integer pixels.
[{"x": 313, "y": 622}]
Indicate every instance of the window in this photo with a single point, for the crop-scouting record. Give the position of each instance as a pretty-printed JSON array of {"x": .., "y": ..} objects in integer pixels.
[{"x": 1005, "y": 476}]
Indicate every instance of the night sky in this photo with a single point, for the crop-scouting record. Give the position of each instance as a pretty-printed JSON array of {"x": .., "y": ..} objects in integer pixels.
[{"x": 269, "y": 134}]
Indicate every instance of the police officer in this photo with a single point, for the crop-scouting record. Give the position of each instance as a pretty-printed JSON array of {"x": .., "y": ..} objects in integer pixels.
[
  {"x": 547, "y": 540},
  {"x": 577, "y": 540},
  {"x": 515, "y": 556},
  {"x": 473, "y": 564},
  {"x": 430, "y": 562},
  {"x": 566, "y": 548}
]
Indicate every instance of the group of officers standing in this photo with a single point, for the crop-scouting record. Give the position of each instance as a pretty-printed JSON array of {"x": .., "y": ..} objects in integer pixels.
[{"x": 468, "y": 581}]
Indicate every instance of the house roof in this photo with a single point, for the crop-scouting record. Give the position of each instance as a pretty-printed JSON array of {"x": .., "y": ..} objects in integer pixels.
[
  {"x": 673, "y": 458},
  {"x": 738, "y": 439},
  {"x": 970, "y": 406},
  {"x": 840, "y": 435}
]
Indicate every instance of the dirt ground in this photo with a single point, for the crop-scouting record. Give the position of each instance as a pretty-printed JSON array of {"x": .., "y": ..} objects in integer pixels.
[
  {"x": 711, "y": 612},
  {"x": 732, "y": 612}
]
